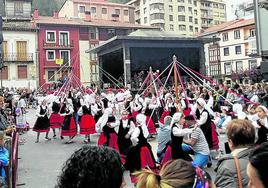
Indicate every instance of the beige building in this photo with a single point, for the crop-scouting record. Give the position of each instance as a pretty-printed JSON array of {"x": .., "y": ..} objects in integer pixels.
[
  {"x": 233, "y": 53},
  {"x": 99, "y": 10},
  {"x": 185, "y": 17}
]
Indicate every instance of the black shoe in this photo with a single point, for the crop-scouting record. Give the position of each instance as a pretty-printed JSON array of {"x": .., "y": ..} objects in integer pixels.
[
  {"x": 47, "y": 138},
  {"x": 61, "y": 137},
  {"x": 209, "y": 164},
  {"x": 54, "y": 136}
]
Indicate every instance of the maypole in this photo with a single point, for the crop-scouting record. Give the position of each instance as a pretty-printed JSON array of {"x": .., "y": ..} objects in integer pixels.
[{"x": 176, "y": 80}]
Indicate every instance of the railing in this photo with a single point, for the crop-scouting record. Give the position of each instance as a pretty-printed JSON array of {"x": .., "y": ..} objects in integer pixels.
[
  {"x": 60, "y": 44},
  {"x": 250, "y": 52},
  {"x": 12, "y": 57}
]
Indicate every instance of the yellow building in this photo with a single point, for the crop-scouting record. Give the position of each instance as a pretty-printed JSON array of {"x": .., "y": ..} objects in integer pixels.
[{"x": 185, "y": 17}]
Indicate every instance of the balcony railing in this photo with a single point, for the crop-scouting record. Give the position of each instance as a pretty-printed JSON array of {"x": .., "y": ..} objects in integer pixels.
[
  {"x": 20, "y": 57},
  {"x": 63, "y": 44},
  {"x": 251, "y": 52}
]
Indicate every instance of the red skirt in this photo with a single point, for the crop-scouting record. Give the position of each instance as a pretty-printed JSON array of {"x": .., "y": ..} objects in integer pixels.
[
  {"x": 187, "y": 111},
  {"x": 147, "y": 160},
  {"x": 71, "y": 131},
  {"x": 87, "y": 125},
  {"x": 167, "y": 156},
  {"x": 215, "y": 139},
  {"x": 56, "y": 121},
  {"x": 150, "y": 125},
  {"x": 112, "y": 143}
]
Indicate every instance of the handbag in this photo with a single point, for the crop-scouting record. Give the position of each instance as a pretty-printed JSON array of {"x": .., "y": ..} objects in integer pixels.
[{"x": 237, "y": 166}]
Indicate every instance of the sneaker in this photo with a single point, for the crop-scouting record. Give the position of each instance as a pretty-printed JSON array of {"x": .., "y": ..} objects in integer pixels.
[{"x": 47, "y": 138}]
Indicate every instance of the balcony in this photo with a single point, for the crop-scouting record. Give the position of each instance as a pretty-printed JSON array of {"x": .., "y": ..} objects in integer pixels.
[
  {"x": 19, "y": 57},
  {"x": 156, "y": 1},
  {"x": 251, "y": 52},
  {"x": 157, "y": 21},
  {"x": 63, "y": 44}
]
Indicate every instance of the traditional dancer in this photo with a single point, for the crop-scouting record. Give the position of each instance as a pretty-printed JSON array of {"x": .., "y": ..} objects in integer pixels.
[
  {"x": 42, "y": 122},
  {"x": 87, "y": 123},
  {"x": 55, "y": 119},
  {"x": 105, "y": 126},
  {"x": 174, "y": 149},
  {"x": 262, "y": 124},
  {"x": 126, "y": 129},
  {"x": 140, "y": 155},
  {"x": 69, "y": 128}
]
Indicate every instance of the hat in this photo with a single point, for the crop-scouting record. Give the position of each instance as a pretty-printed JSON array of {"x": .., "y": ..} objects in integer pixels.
[
  {"x": 201, "y": 102},
  {"x": 264, "y": 109},
  {"x": 141, "y": 119},
  {"x": 176, "y": 118}
]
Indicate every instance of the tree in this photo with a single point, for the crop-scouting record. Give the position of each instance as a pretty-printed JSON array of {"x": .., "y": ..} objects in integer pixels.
[{"x": 46, "y": 7}]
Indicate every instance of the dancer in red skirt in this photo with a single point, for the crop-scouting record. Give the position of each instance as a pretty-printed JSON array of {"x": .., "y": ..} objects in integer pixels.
[
  {"x": 140, "y": 154},
  {"x": 56, "y": 120},
  {"x": 105, "y": 126},
  {"x": 42, "y": 122},
  {"x": 69, "y": 127},
  {"x": 87, "y": 123}
]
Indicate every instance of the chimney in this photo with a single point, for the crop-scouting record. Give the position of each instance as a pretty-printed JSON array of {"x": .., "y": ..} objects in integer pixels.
[
  {"x": 87, "y": 16},
  {"x": 55, "y": 15},
  {"x": 35, "y": 14}
]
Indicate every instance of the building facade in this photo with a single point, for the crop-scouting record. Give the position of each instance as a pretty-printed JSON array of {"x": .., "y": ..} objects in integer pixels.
[
  {"x": 232, "y": 55},
  {"x": 58, "y": 46},
  {"x": 19, "y": 46},
  {"x": 185, "y": 17},
  {"x": 99, "y": 10}
]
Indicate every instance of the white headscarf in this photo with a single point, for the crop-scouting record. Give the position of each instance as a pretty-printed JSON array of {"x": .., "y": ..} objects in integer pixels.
[{"x": 176, "y": 118}]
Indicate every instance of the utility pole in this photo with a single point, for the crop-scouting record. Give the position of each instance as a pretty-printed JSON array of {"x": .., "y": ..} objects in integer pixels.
[{"x": 1, "y": 50}]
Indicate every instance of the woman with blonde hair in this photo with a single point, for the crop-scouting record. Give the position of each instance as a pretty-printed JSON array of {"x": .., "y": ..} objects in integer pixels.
[
  {"x": 262, "y": 124},
  {"x": 174, "y": 174}
]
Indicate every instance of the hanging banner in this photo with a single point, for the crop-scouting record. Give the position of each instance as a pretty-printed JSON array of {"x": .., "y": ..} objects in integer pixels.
[{"x": 59, "y": 61}]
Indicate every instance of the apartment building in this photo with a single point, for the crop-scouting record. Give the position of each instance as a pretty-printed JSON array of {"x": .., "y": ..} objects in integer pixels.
[
  {"x": 185, "y": 17},
  {"x": 99, "y": 10},
  {"x": 19, "y": 46},
  {"x": 233, "y": 50}
]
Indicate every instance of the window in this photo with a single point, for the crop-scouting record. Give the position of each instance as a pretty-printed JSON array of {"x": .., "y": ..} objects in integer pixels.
[
  {"x": 117, "y": 11},
  {"x": 191, "y": 28},
  {"x": 145, "y": 10},
  {"x": 237, "y": 34},
  {"x": 252, "y": 32},
  {"x": 181, "y": 18},
  {"x": 18, "y": 7},
  {"x": 5, "y": 49},
  {"x": 228, "y": 68},
  {"x": 156, "y": 16},
  {"x": 182, "y": 27},
  {"x": 180, "y": 1},
  {"x": 252, "y": 64},
  {"x": 190, "y": 19},
  {"x": 195, "y": 12},
  {"x": 65, "y": 55},
  {"x": 170, "y": 17},
  {"x": 171, "y": 27},
  {"x": 195, "y": 3},
  {"x": 225, "y": 36},
  {"x": 170, "y": 8},
  {"x": 51, "y": 36},
  {"x": 50, "y": 55},
  {"x": 93, "y": 10},
  {"x": 144, "y": 1},
  {"x": 196, "y": 29},
  {"x": 226, "y": 51},
  {"x": 239, "y": 66},
  {"x": 21, "y": 50},
  {"x": 92, "y": 33},
  {"x": 215, "y": 69},
  {"x": 125, "y": 12},
  {"x": 82, "y": 9},
  {"x": 22, "y": 72},
  {"x": 238, "y": 50},
  {"x": 195, "y": 21},
  {"x": 190, "y": 10},
  {"x": 181, "y": 9},
  {"x": 104, "y": 10},
  {"x": 50, "y": 76},
  {"x": 190, "y": 1},
  {"x": 145, "y": 20},
  {"x": 4, "y": 73},
  {"x": 64, "y": 39},
  {"x": 111, "y": 33}
]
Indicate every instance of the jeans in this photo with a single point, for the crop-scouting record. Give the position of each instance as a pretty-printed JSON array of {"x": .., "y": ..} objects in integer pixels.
[{"x": 200, "y": 160}]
